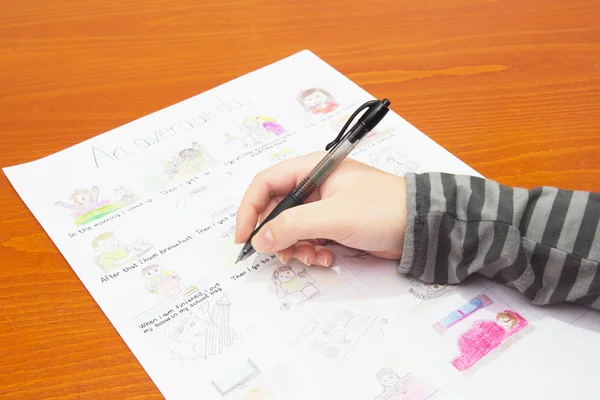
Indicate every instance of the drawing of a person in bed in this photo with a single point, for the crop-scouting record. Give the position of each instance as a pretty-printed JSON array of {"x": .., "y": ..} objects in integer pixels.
[
  {"x": 186, "y": 164},
  {"x": 485, "y": 336},
  {"x": 295, "y": 287},
  {"x": 317, "y": 101},
  {"x": 87, "y": 205},
  {"x": 260, "y": 130}
]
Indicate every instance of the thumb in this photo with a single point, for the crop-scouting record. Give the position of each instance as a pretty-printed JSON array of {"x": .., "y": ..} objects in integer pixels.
[{"x": 321, "y": 219}]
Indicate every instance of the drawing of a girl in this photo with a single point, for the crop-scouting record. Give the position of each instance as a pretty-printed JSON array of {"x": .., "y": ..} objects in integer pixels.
[
  {"x": 84, "y": 200},
  {"x": 193, "y": 158},
  {"x": 485, "y": 336},
  {"x": 88, "y": 207},
  {"x": 401, "y": 388},
  {"x": 166, "y": 284},
  {"x": 295, "y": 287},
  {"x": 394, "y": 386},
  {"x": 317, "y": 101}
]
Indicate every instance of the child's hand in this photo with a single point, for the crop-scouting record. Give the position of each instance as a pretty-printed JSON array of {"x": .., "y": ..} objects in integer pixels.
[{"x": 357, "y": 205}]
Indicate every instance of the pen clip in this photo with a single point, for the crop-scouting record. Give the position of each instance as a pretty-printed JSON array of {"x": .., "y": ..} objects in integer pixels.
[{"x": 341, "y": 136}]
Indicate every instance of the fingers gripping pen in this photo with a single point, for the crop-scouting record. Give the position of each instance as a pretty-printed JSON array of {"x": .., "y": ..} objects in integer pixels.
[{"x": 338, "y": 150}]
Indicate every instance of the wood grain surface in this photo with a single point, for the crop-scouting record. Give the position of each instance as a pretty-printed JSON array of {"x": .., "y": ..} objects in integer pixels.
[{"x": 511, "y": 87}]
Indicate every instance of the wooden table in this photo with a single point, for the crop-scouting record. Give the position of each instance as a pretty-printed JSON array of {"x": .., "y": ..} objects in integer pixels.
[{"x": 511, "y": 87}]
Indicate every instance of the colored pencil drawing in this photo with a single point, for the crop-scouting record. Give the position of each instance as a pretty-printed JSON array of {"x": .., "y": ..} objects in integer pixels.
[
  {"x": 209, "y": 332},
  {"x": 394, "y": 162},
  {"x": 112, "y": 254},
  {"x": 294, "y": 287},
  {"x": 317, "y": 101},
  {"x": 187, "y": 163},
  {"x": 210, "y": 198},
  {"x": 281, "y": 155},
  {"x": 485, "y": 336},
  {"x": 88, "y": 206},
  {"x": 236, "y": 378},
  {"x": 258, "y": 394},
  {"x": 470, "y": 307},
  {"x": 166, "y": 285},
  {"x": 427, "y": 291},
  {"x": 407, "y": 387},
  {"x": 260, "y": 130}
]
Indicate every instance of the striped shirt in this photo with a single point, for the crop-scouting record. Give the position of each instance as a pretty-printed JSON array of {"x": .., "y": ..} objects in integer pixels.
[{"x": 545, "y": 242}]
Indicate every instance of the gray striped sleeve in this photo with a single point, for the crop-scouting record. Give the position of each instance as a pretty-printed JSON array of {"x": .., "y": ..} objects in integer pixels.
[{"x": 545, "y": 242}]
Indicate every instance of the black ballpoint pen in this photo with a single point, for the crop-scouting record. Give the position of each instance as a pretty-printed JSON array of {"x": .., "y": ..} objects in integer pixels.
[{"x": 338, "y": 150}]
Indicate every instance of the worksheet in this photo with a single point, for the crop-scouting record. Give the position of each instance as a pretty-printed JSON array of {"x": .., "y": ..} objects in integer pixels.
[{"x": 145, "y": 214}]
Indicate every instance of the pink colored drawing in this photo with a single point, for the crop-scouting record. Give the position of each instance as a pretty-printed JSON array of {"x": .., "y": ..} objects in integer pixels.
[
  {"x": 84, "y": 201},
  {"x": 485, "y": 336},
  {"x": 317, "y": 101}
]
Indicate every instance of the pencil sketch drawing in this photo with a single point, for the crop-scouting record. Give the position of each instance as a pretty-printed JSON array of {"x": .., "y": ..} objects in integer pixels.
[
  {"x": 236, "y": 378},
  {"x": 394, "y": 162},
  {"x": 294, "y": 287},
  {"x": 427, "y": 291},
  {"x": 317, "y": 101},
  {"x": 210, "y": 333},
  {"x": 407, "y": 387},
  {"x": 210, "y": 198},
  {"x": 112, "y": 254},
  {"x": 126, "y": 197},
  {"x": 333, "y": 333}
]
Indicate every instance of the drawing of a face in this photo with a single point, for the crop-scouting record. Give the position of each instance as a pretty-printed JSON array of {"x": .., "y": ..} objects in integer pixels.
[
  {"x": 287, "y": 275},
  {"x": 82, "y": 197},
  {"x": 188, "y": 154},
  {"x": 315, "y": 98},
  {"x": 389, "y": 379},
  {"x": 507, "y": 320},
  {"x": 152, "y": 271}
]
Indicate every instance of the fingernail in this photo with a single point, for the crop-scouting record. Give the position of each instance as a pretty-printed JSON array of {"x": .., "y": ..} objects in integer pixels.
[
  {"x": 279, "y": 255},
  {"x": 321, "y": 260},
  {"x": 301, "y": 256}
]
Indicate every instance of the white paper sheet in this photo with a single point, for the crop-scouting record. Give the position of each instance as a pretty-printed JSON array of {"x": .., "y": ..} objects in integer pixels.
[{"x": 144, "y": 214}]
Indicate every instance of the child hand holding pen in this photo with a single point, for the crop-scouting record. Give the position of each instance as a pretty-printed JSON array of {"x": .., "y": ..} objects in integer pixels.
[{"x": 545, "y": 242}]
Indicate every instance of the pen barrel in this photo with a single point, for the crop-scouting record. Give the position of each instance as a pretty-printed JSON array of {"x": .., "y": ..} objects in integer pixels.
[{"x": 304, "y": 189}]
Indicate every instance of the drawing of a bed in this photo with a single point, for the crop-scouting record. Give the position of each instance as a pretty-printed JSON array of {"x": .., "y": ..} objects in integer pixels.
[
  {"x": 187, "y": 164},
  {"x": 485, "y": 336}
]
